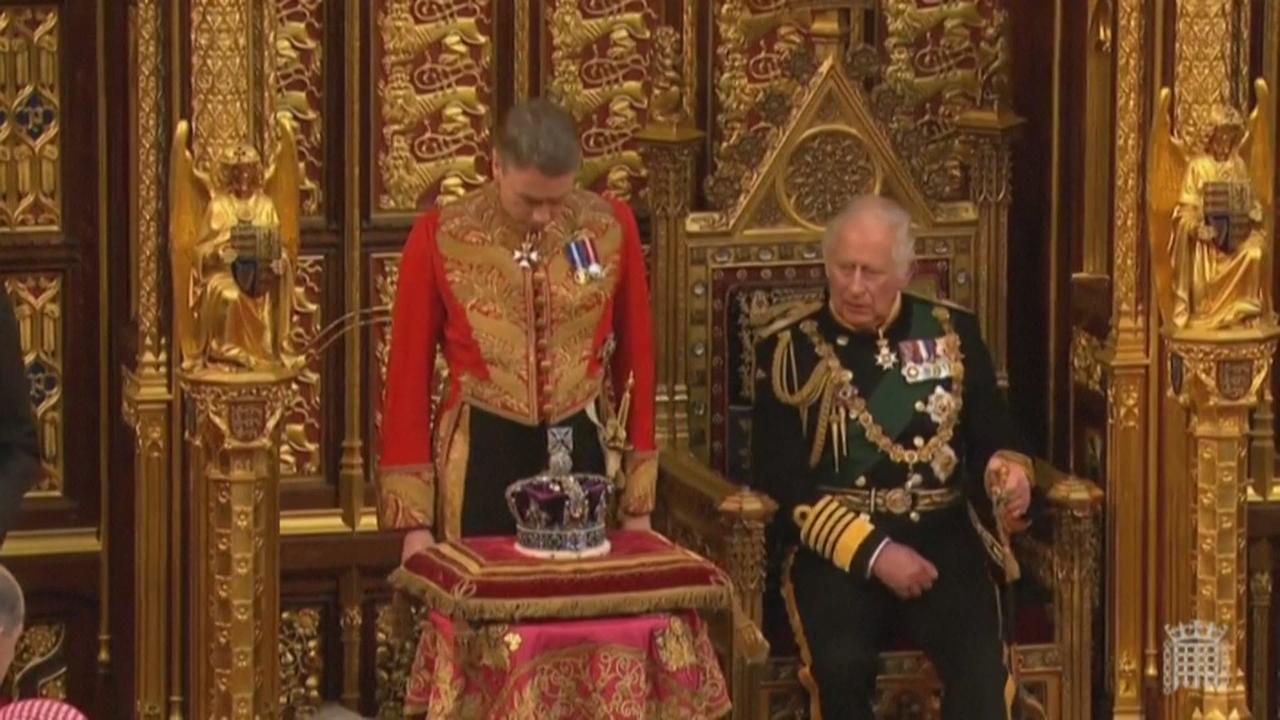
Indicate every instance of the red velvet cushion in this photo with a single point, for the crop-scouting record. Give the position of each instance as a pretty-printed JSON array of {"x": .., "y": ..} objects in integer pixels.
[{"x": 486, "y": 579}]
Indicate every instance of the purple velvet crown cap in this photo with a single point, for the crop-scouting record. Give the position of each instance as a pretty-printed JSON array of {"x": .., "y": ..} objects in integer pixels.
[{"x": 560, "y": 515}]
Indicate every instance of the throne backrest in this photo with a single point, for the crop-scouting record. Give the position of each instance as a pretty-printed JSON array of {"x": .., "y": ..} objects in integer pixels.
[
  {"x": 749, "y": 301},
  {"x": 740, "y": 266}
]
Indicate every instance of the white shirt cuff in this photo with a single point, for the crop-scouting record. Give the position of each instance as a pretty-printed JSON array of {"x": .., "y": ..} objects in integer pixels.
[{"x": 872, "y": 562}]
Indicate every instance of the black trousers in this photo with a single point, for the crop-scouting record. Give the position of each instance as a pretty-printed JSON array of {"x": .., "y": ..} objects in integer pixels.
[
  {"x": 503, "y": 451},
  {"x": 845, "y": 620}
]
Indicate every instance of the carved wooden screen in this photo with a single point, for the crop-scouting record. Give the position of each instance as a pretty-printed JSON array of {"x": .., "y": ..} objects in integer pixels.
[{"x": 52, "y": 255}]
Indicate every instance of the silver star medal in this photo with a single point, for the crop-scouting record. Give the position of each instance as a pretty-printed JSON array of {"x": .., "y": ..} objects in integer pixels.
[{"x": 885, "y": 357}]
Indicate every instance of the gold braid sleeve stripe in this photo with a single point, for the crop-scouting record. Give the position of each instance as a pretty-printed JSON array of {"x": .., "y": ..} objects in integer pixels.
[{"x": 833, "y": 530}]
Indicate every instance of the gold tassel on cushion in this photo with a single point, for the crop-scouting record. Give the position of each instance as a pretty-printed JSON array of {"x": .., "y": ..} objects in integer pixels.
[
  {"x": 749, "y": 641},
  {"x": 833, "y": 530}
]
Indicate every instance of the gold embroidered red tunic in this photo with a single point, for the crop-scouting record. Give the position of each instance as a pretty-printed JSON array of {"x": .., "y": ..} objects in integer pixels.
[{"x": 529, "y": 343}]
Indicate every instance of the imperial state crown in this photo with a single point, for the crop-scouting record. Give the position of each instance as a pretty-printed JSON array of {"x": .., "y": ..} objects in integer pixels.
[{"x": 561, "y": 514}]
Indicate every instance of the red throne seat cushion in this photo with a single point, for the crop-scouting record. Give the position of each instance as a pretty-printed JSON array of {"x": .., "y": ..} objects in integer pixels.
[{"x": 486, "y": 579}]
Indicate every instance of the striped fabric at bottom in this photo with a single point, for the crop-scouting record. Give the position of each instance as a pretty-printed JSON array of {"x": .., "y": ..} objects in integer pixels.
[{"x": 40, "y": 710}]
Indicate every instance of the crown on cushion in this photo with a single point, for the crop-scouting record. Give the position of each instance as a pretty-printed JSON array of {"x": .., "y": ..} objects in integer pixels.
[{"x": 560, "y": 513}]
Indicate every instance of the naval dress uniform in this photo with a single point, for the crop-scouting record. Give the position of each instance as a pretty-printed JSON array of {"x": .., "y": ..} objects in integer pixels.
[{"x": 863, "y": 436}]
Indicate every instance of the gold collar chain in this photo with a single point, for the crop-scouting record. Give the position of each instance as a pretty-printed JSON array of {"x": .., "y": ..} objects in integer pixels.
[{"x": 841, "y": 398}]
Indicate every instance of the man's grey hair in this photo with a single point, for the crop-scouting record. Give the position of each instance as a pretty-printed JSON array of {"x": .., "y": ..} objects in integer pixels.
[
  {"x": 881, "y": 211},
  {"x": 539, "y": 135},
  {"x": 12, "y": 607}
]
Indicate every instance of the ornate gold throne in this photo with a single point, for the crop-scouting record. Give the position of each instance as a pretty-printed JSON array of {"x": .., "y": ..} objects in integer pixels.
[{"x": 719, "y": 276}]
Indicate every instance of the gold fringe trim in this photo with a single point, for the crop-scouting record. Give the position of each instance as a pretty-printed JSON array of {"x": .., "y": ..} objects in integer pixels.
[
  {"x": 750, "y": 641},
  {"x": 465, "y": 607}
]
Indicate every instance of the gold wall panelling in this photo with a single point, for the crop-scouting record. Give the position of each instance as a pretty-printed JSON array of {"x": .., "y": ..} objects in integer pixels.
[
  {"x": 394, "y": 650},
  {"x": 301, "y": 452},
  {"x": 38, "y": 303},
  {"x": 929, "y": 79},
  {"x": 600, "y": 62},
  {"x": 1205, "y": 64},
  {"x": 433, "y": 72},
  {"x": 764, "y": 61},
  {"x": 300, "y": 72},
  {"x": 301, "y": 661},
  {"x": 233, "y": 76},
  {"x": 147, "y": 112},
  {"x": 30, "y": 132},
  {"x": 39, "y": 666}
]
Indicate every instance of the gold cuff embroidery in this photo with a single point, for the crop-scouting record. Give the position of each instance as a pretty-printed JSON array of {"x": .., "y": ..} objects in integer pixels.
[
  {"x": 406, "y": 498},
  {"x": 640, "y": 493},
  {"x": 833, "y": 530}
]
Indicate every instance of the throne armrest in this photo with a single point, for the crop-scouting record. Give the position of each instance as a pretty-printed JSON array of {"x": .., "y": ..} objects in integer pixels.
[
  {"x": 705, "y": 512},
  {"x": 1076, "y": 505}
]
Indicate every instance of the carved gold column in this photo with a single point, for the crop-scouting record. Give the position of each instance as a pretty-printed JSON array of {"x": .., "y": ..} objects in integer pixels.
[
  {"x": 147, "y": 391},
  {"x": 669, "y": 148},
  {"x": 989, "y": 132},
  {"x": 232, "y": 434},
  {"x": 1218, "y": 375},
  {"x": 1127, "y": 406},
  {"x": 237, "y": 224}
]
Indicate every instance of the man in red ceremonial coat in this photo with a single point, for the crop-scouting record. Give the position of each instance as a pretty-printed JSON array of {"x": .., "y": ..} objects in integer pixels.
[{"x": 535, "y": 293}]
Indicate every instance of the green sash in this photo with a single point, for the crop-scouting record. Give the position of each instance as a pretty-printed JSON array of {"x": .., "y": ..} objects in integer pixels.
[{"x": 892, "y": 403}]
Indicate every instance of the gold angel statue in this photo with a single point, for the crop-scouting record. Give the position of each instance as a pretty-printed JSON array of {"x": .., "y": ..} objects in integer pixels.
[
  {"x": 1207, "y": 218},
  {"x": 234, "y": 249}
]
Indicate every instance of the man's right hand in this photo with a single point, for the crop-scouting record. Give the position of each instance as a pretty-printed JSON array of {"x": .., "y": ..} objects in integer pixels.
[
  {"x": 904, "y": 571},
  {"x": 415, "y": 541}
]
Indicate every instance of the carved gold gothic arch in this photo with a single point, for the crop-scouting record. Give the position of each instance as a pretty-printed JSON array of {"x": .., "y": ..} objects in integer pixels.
[{"x": 831, "y": 114}]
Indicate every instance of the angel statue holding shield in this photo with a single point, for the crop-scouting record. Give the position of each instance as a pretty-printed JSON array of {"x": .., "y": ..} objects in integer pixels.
[
  {"x": 234, "y": 248},
  {"x": 1207, "y": 217}
]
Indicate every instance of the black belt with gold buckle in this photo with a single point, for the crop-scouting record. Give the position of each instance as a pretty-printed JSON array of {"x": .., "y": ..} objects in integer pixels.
[{"x": 896, "y": 501}]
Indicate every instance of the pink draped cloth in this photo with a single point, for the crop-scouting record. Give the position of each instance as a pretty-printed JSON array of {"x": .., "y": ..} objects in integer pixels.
[{"x": 620, "y": 668}]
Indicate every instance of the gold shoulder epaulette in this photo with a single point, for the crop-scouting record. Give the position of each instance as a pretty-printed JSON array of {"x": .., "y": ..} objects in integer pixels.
[
  {"x": 786, "y": 316},
  {"x": 951, "y": 304}
]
